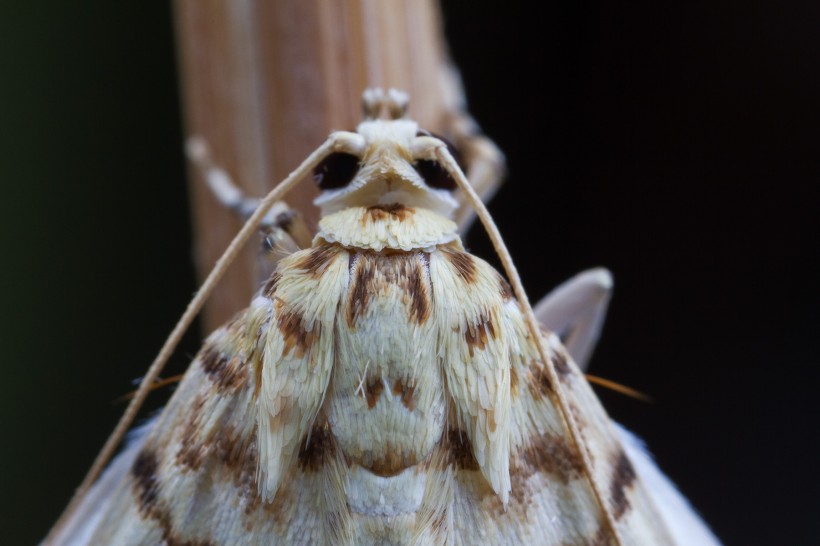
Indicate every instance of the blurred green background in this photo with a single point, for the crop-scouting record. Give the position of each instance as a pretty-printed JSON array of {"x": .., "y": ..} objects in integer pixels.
[{"x": 677, "y": 145}]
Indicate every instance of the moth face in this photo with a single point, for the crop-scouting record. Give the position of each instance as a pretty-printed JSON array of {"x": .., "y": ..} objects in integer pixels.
[{"x": 393, "y": 166}]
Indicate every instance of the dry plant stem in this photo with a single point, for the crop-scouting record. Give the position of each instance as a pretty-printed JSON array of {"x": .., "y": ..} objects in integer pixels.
[
  {"x": 182, "y": 325},
  {"x": 452, "y": 167}
]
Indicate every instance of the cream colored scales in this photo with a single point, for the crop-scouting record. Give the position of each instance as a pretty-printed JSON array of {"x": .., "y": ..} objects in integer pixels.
[{"x": 386, "y": 387}]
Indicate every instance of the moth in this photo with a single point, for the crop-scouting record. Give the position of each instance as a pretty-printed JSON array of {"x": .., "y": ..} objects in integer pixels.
[{"x": 387, "y": 387}]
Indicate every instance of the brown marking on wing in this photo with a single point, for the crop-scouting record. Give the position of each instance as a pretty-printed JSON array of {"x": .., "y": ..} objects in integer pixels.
[
  {"x": 224, "y": 449},
  {"x": 379, "y": 213},
  {"x": 146, "y": 481},
  {"x": 317, "y": 450},
  {"x": 226, "y": 374},
  {"x": 600, "y": 538},
  {"x": 545, "y": 454},
  {"x": 372, "y": 391},
  {"x": 463, "y": 264},
  {"x": 623, "y": 477},
  {"x": 364, "y": 271},
  {"x": 538, "y": 381},
  {"x": 316, "y": 260},
  {"x": 390, "y": 461},
  {"x": 237, "y": 452},
  {"x": 257, "y": 376},
  {"x": 191, "y": 450},
  {"x": 400, "y": 388},
  {"x": 460, "y": 450},
  {"x": 550, "y": 454},
  {"x": 560, "y": 360},
  {"x": 237, "y": 455},
  {"x": 374, "y": 272},
  {"x": 416, "y": 287},
  {"x": 578, "y": 415},
  {"x": 225, "y": 452},
  {"x": 269, "y": 289},
  {"x": 520, "y": 493},
  {"x": 514, "y": 381},
  {"x": 292, "y": 326},
  {"x": 282, "y": 508},
  {"x": 504, "y": 287},
  {"x": 146, "y": 487},
  {"x": 479, "y": 335},
  {"x": 438, "y": 525}
]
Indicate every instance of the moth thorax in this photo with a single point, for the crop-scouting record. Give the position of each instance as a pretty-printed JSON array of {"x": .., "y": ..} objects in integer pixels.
[
  {"x": 388, "y": 407},
  {"x": 392, "y": 226}
]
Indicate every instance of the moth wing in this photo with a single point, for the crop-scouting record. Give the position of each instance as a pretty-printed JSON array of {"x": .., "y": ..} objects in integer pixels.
[
  {"x": 194, "y": 478},
  {"x": 550, "y": 496},
  {"x": 575, "y": 311},
  {"x": 474, "y": 361},
  {"x": 297, "y": 316},
  {"x": 624, "y": 495}
]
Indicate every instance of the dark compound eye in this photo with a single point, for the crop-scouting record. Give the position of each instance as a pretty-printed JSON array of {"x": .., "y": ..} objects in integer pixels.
[
  {"x": 434, "y": 175},
  {"x": 432, "y": 172},
  {"x": 336, "y": 170}
]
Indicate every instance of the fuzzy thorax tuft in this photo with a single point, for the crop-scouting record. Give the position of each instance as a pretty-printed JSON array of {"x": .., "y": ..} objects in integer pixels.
[{"x": 392, "y": 226}]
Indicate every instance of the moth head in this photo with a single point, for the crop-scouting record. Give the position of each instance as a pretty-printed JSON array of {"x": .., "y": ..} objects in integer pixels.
[{"x": 388, "y": 160}]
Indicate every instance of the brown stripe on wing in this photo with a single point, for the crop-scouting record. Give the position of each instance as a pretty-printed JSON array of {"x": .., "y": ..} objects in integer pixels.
[
  {"x": 460, "y": 451},
  {"x": 504, "y": 287},
  {"x": 538, "y": 381},
  {"x": 315, "y": 260},
  {"x": 406, "y": 391},
  {"x": 292, "y": 326},
  {"x": 373, "y": 390},
  {"x": 463, "y": 263},
  {"x": 317, "y": 450},
  {"x": 550, "y": 454},
  {"x": 147, "y": 480},
  {"x": 623, "y": 478},
  {"x": 374, "y": 272},
  {"x": 560, "y": 360},
  {"x": 479, "y": 335},
  {"x": 269, "y": 288},
  {"x": 226, "y": 373}
]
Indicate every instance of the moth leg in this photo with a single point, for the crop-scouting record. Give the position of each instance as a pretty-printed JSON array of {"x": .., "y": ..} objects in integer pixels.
[
  {"x": 483, "y": 161},
  {"x": 576, "y": 310},
  {"x": 283, "y": 231}
]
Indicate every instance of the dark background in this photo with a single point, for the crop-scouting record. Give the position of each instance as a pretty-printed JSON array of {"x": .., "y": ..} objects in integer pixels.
[{"x": 676, "y": 145}]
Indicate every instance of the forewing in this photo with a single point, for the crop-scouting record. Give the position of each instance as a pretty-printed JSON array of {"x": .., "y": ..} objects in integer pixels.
[
  {"x": 492, "y": 368},
  {"x": 194, "y": 479},
  {"x": 634, "y": 513},
  {"x": 296, "y": 318},
  {"x": 474, "y": 359}
]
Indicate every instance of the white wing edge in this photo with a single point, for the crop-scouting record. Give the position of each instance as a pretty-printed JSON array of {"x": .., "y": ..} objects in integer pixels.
[
  {"x": 79, "y": 529},
  {"x": 684, "y": 524}
]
